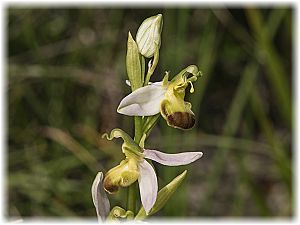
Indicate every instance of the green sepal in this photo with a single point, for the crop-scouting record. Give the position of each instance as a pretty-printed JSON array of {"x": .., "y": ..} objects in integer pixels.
[
  {"x": 128, "y": 146},
  {"x": 182, "y": 76},
  {"x": 133, "y": 64},
  {"x": 162, "y": 197}
]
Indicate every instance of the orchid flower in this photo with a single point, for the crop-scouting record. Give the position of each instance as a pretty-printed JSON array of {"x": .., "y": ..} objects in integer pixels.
[
  {"x": 166, "y": 97},
  {"x": 135, "y": 167}
]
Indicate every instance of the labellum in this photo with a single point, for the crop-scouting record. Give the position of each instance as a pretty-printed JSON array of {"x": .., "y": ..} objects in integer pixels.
[{"x": 122, "y": 175}]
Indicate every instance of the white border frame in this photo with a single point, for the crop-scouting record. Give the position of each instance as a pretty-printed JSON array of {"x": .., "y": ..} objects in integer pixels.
[{"x": 135, "y": 3}]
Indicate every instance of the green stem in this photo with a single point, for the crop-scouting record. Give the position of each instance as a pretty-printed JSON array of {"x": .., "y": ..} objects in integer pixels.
[
  {"x": 131, "y": 198},
  {"x": 132, "y": 189},
  {"x": 153, "y": 66},
  {"x": 138, "y": 129}
]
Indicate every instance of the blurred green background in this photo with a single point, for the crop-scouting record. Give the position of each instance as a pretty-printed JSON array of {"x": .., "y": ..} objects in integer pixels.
[{"x": 66, "y": 76}]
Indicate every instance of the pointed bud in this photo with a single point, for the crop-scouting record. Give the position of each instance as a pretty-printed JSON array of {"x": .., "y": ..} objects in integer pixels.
[
  {"x": 148, "y": 36},
  {"x": 118, "y": 212}
]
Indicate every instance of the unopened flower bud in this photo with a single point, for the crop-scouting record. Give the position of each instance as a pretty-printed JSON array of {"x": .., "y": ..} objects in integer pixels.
[
  {"x": 148, "y": 37},
  {"x": 117, "y": 212}
]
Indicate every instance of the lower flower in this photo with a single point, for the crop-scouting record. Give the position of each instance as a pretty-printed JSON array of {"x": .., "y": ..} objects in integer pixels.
[{"x": 135, "y": 167}]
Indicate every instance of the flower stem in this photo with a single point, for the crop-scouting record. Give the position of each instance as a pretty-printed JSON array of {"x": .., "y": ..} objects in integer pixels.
[
  {"x": 138, "y": 129},
  {"x": 131, "y": 197},
  {"x": 132, "y": 189}
]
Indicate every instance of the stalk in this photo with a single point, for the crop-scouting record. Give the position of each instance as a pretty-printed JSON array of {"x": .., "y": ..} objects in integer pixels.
[
  {"x": 131, "y": 198},
  {"x": 132, "y": 189}
]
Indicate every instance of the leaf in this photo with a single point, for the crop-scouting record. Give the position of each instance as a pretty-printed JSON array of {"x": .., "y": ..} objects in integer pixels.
[
  {"x": 133, "y": 64},
  {"x": 162, "y": 197}
]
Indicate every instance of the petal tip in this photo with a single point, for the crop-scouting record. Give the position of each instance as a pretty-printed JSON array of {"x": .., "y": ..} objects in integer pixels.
[
  {"x": 119, "y": 110},
  {"x": 200, "y": 155}
]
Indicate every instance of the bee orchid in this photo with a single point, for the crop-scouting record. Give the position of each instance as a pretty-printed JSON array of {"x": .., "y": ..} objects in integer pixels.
[
  {"x": 166, "y": 97},
  {"x": 135, "y": 167},
  {"x": 150, "y": 100}
]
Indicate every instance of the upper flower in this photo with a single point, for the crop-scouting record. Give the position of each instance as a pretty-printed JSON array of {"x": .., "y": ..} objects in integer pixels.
[
  {"x": 164, "y": 97},
  {"x": 135, "y": 167}
]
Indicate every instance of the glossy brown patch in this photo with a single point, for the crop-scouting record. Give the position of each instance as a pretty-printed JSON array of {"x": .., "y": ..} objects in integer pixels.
[
  {"x": 182, "y": 120},
  {"x": 109, "y": 187}
]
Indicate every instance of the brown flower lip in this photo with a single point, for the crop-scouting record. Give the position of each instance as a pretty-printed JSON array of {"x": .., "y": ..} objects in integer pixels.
[
  {"x": 182, "y": 120},
  {"x": 109, "y": 186}
]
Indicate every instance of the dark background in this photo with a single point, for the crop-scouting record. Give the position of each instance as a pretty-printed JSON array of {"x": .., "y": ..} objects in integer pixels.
[{"x": 66, "y": 76}]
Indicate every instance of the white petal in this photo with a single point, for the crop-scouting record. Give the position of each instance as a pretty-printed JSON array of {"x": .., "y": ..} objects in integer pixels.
[
  {"x": 172, "y": 159},
  {"x": 148, "y": 185},
  {"x": 100, "y": 199},
  {"x": 144, "y": 101}
]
